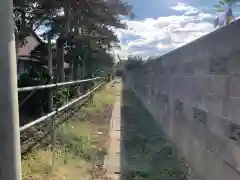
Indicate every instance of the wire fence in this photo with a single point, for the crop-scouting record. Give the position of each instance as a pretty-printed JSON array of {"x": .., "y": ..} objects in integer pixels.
[{"x": 42, "y": 123}]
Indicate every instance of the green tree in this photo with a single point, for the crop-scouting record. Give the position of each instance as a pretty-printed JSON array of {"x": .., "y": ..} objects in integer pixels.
[{"x": 82, "y": 27}]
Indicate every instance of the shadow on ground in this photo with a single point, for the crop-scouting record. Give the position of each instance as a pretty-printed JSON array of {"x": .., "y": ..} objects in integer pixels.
[{"x": 145, "y": 152}]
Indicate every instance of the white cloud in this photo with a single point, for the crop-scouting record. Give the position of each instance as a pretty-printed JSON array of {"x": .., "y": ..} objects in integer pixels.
[
  {"x": 187, "y": 9},
  {"x": 155, "y": 37},
  {"x": 161, "y": 35}
]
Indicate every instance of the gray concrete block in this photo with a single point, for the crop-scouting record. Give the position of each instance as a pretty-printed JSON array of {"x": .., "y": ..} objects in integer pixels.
[
  {"x": 197, "y": 158},
  {"x": 165, "y": 84},
  {"x": 188, "y": 111},
  {"x": 174, "y": 69},
  {"x": 234, "y": 62},
  {"x": 213, "y": 166},
  {"x": 198, "y": 130},
  {"x": 235, "y": 86},
  {"x": 230, "y": 173},
  {"x": 231, "y": 154},
  {"x": 187, "y": 88},
  {"x": 187, "y": 144},
  {"x": 200, "y": 89},
  {"x": 218, "y": 104},
  {"x": 176, "y": 86},
  {"x": 234, "y": 114},
  {"x": 178, "y": 112},
  {"x": 188, "y": 67},
  {"x": 214, "y": 142},
  {"x": 218, "y": 84},
  {"x": 217, "y": 125},
  {"x": 233, "y": 131},
  {"x": 200, "y": 115},
  {"x": 201, "y": 67},
  {"x": 218, "y": 65}
]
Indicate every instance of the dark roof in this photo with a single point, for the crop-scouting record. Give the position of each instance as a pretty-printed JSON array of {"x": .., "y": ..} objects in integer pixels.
[{"x": 34, "y": 49}]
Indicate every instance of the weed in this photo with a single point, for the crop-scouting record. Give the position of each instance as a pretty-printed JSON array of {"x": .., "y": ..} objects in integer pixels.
[{"x": 81, "y": 143}]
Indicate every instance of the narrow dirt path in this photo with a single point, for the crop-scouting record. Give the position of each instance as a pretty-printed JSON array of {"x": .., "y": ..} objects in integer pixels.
[{"x": 112, "y": 162}]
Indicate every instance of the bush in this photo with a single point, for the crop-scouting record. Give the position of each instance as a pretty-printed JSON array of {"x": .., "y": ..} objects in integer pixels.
[{"x": 38, "y": 101}]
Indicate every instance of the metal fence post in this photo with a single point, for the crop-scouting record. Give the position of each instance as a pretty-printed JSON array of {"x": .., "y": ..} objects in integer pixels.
[
  {"x": 50, "y": 100},
  {"x": 53, "y": 142},
  {"x": 10, "y": 158}
]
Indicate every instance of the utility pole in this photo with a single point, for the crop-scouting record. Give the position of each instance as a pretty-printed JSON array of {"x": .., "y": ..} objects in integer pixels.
[{"x": 10, "y": 158}]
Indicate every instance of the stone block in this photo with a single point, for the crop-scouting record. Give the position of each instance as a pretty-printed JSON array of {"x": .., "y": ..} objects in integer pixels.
[
  {"x": 200, "y": 115},
  {"x": 213, "y": 166},
  {"x": 218, "y": 126},
  {"x": 165, "y": 84},
  {"x": 218, "y": 66},
  {"x": 187, "y": 88},
  {"x": 200, "y": 89},
  {"x": 188, "y": 111},
  {"x": 197, "y": 157},
  {"x": 201, "y": 67},
  {"x": 230, "y": 173},
  {"x": 176, "y": 86},
  {"x": 233, "y": 131},
  {"x": 178, "y": 111},
  {"x": 234, "y": 112},
  {"x": 218, "y": 104},
  {"x": 231, "y": 154},
  {"x": 198, "y": 129},
  {"x": 234, "y": 62},
  {"x": 188, "y": 67},
  {"x": 214, "y": 142},
  {"x": 174, "y": 69},
  {"x": 235, "y": 86},
  {"x": 187, "y": 145},
  {"x": 218, "y": 84}
]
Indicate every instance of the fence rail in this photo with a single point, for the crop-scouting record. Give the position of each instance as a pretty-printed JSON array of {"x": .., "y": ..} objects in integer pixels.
[
  {"x": 48, "y": 116},
  {"x": 32, "y": 88},
  {"x": 51, "y": 116}
]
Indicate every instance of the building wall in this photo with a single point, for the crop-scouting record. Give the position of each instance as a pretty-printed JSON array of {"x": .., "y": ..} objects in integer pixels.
[{"x": 194, "y": 94}]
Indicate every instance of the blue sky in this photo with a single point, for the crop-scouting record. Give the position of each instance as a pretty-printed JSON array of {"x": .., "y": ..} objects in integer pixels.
[{"x": 163, "y": 25}]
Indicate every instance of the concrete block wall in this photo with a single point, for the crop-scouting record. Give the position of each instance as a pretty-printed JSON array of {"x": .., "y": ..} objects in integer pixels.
[{"x": 194, "y": 94}]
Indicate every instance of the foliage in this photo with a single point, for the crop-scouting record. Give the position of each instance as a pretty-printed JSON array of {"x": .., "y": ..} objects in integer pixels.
[
  {"x": 84, "y": 29},
  {"x": 133, "y": 63},
  {"x": 61, "y": 96},
  {"x": 38, "y": 75},
  {"x": 78, "y": 141},
  {"x": 35, "y": 76},
  {"x": 221, "y": 3}
]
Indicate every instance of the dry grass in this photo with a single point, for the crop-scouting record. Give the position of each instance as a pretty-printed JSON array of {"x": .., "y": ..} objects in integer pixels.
[{"x": 81, "y": 144}]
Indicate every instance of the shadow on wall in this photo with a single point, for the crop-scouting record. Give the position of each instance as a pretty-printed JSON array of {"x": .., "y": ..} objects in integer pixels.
[{"x": 145, "y": 151}]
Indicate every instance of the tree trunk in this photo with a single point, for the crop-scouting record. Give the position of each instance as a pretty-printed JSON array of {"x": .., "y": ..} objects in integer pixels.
[
  {"x": 75, "y": 70},
  {"x": 60, "y": 59},
  {"x": 50, "y": 91},
  {"x": 70, "y": 72},
  {"x": 60, "y": 45},
  {"x": 76, "y": 76}
]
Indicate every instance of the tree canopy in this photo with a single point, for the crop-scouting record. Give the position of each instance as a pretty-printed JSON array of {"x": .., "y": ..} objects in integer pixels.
[
  {"x": 221, "y": 3},
  {"x": 84, "y": 28}
]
